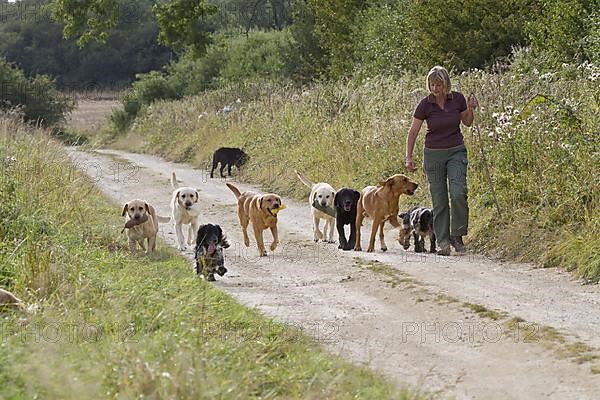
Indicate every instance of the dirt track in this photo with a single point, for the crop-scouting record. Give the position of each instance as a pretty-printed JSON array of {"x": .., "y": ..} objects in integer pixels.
[{"x": 407, "y": 321}]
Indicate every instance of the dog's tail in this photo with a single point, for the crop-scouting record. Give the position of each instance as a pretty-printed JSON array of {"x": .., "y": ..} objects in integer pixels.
[
  {"x": 304, "y": 180},
  {"x": 174, "y": 184},
  {"x": 162, "y": 219},
  {"x": 235, "y": 190}
]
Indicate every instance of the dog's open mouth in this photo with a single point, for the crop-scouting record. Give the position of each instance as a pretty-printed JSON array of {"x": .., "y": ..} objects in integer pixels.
[{"x": 347, "y": 207}]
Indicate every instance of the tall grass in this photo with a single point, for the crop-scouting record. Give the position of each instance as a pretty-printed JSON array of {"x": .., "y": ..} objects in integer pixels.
[
  {"x": 112, "y": 325},
  {"x": 534, "y": 149}
]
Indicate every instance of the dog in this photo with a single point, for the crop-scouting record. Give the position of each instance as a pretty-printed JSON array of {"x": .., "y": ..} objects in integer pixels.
[
  {"x": 228, "y": 157},
  {"x": 141, "y": 223},
  {"x": 184, "y": 210},
  {"x": 381, "y": 204},
  {"x": 418, "y": 221},
  {"x": 345, "y": 202},
  {"x": 321, "y": 194},
  {"x": 210, "y": 242},
  {"x": 9, "y": 300},
  {"x": 261, "y": 210}
]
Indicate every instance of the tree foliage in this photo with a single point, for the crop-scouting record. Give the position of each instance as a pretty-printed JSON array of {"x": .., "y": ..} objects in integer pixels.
[
  {"x": 86, "y": 19},
  {"x": 30, "y": 38},
  {"x": 566, "y": 30},
  {"x": 182, "y": 23}
]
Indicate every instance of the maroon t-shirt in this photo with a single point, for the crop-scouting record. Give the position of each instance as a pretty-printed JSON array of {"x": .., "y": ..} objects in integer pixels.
[{"x": 443, "y": 126}]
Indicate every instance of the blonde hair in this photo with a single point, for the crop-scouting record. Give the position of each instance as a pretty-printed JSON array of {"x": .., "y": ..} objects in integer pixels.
[{"x": 439, "y": 74}]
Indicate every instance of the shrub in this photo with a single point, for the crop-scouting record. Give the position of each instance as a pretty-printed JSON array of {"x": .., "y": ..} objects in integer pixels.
[{"x": 38, "y": 98}]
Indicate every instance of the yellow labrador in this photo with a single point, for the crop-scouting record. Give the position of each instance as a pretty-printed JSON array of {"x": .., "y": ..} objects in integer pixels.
[
  {"x": 381, "y": 204},
  {"x": 261, "y": 210},
  {"x": 141, "y": 224},
  {"x": 323, "y": 194},
  {"x": 184, "y": 211}
]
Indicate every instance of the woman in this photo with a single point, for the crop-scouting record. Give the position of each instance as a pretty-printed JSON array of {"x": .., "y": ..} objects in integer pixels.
[{"x": 444, "y": 157}]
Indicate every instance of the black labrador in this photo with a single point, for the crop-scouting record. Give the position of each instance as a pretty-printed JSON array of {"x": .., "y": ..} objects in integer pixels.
[
  {"x": 345, "y": 202},
  {"x": 228, "y": 157}
]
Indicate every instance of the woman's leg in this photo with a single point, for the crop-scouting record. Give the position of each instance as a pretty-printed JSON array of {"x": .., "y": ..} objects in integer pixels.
[
  {"x": 434, "y": 163},
  {"x": 459, "y": 207}
]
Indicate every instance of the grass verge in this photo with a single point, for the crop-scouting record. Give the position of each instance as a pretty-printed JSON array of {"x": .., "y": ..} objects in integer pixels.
[{"x": 108, "y": 324}]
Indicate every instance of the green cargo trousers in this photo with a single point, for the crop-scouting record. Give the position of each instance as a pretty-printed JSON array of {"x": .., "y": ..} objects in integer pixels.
[{"x": 448, "y": 167}]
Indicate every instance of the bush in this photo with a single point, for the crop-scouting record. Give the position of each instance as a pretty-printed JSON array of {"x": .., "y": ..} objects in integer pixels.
[
  {"x": 38, "y": 98},
  {"x": 261, "y": 55}
]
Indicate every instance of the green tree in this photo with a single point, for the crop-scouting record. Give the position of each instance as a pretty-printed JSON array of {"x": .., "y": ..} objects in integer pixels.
[
  {"x": 182, "y": 23},
  {"x": 564, "y": 31},
  {"x": 467, "y": 33},
  {"x": 30, "y": 38},
  {"x": 86, "y": 19},
  {"x": 335, "y": 27}
]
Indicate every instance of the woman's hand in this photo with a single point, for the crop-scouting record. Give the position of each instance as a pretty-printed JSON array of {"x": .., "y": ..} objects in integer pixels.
[
  {"x": 472, "y": 102},
  {"x": 410, "y": 164}
]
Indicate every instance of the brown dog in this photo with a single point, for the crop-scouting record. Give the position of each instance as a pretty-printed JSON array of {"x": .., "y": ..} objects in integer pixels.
[
  {"x": 381, "y": 204},
  {"x": 261, "y": 210},
  {"x": 7, "y": 299},
  {"x": 141, "y": 223}
]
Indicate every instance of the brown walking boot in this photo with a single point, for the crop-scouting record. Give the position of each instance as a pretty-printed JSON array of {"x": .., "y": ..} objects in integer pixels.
[{"x": 457, "y": 243}]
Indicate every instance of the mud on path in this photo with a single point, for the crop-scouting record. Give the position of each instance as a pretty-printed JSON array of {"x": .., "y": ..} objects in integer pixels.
[{"x": 402, "y": 314}]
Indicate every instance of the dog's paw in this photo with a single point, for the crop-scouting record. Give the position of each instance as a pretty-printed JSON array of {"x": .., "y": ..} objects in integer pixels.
[
  {"x": 263, "y": 253},
  {"x": 370, "y": 249},
  {"x": 357, "y": 248},
  {"x": 274, "y": 246},
  {"x": 384, "y": 248},
  {"x": 346, "y": 248},
  {"x": 247, "y": 242},
  {"x": 433, "y": 251},
  {"x": 211, "y": 277},
  {"x": 318, "y": 234},
  {"x": 181, "y": 247}
]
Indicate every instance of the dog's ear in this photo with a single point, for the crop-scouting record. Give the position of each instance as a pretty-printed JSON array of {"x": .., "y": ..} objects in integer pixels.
[
  {"x": 197, "y": 195},
  {"x": 124, "y": 209},
  {"x": 402, "y": 215},
  {"x": 335, "y": 199},
  {"x": 200, "y": 235},
  {"x": 388, "y": 181},
  {"x": 357, "y": 195},
  {"x": 222, "y": 238},
  {"x": 177, "y": 194},
  {"x": 147, "y": 208}
]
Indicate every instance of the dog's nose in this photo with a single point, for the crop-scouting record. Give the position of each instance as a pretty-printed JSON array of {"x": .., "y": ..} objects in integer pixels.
[
  {"x": 276, "y": 205},
  {"x": 188, "y": 203},
  {"x": 137, "y": 216}
]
